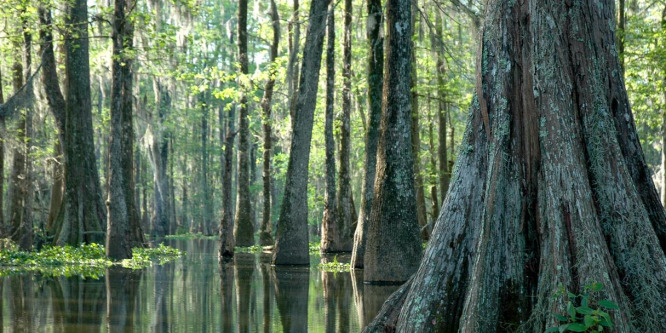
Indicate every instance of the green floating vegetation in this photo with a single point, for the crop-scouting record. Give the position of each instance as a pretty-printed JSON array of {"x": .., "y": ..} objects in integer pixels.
[
  {"x": 249, "y": 249},
  {"x": 191, "y": 236},
  {"x": 87, "y": 260},
  {"x": 334, "y": 266}
]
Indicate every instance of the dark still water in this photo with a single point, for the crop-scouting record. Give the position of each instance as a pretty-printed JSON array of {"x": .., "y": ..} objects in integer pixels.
[{"x": 193, "y": 294}]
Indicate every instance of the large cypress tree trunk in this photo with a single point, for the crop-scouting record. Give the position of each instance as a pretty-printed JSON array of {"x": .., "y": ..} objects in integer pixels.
[
  {"x": 393, "y": 248},
  {"x": 85, "y": 214},
  {"x": 330, "y": 224},
  {"x": 551, "y": 189},
  {"x": 266, "y": 235},
  {"x": 244, "y": 226},
  {"x": 291, "y": 244},
  {"x": 123, "y": 225},
  {"x": 375, "y": 79}
]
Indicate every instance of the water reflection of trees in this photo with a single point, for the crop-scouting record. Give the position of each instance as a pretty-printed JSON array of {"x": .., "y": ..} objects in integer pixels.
[{"x": 250, "y": 295}]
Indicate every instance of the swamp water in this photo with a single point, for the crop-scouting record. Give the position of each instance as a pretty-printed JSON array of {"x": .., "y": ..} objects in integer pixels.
[{"x": 194, "y": 294}]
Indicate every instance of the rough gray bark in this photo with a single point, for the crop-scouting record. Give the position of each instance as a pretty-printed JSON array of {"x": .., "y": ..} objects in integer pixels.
[
  {"x": 266, "y": 234},
  {"x": 243, "y": 226},
  {"x": 393, "y": 248},
  {"x": 550, "y": 190},
  {"x": 85, "y": 213},
  {"x": 123, "y": 226},
  {"x": 330, "y": 224},
  {"x": 291, "y": 244},
  {"x": 375, "y": 81}
]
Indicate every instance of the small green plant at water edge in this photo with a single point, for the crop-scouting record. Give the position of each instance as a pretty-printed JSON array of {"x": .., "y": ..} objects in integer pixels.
[
  {"x": 583, "y": 313},
  {"x": 334, "y": 266},
  {"x": 249, "y": 249}
]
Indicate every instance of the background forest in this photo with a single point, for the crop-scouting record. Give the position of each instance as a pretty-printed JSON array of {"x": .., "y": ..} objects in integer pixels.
[{"x": 187, "y": 88}]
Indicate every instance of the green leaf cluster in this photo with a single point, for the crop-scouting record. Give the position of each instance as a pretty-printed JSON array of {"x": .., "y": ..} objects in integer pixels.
[{"x": 583, "y": 313}]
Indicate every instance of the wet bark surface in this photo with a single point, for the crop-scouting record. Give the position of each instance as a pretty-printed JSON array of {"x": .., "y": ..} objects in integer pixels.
[{"x": 550, "y": 189}]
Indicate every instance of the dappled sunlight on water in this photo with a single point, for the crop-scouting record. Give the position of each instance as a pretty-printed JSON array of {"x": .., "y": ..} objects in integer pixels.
[{"x": 194, "y": 294}]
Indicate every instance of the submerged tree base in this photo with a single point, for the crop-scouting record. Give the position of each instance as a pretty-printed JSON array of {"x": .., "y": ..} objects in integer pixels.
[{"x": 87, "y": 260}]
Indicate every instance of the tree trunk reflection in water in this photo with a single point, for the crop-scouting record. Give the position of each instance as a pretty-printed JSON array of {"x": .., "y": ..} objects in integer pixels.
[
  {"x": 292, "y": 297},
  {"x": 122, "y": 285},
  {"x": 227, "y": 295},
  {"x": 244, "y": 267},
  {"x": 266, "y": 278},
  {"x": 160, "y": 322}
]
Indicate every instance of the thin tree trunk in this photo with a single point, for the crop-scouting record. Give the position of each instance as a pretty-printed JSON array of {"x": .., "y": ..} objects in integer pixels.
[
  {"x": 292, "y": 65},
  {"x": 266, "y": 234},
  {"x": 416, "y": 142},
  {"x": 291, "y": 245},
  {"x": 20, "y": 188},
  {"x": 205, "y": 186},
  {"x": 227, "y": 223},
  {"x": 375, "y": 83},
  {"x": 244, "y": 226},
  {"x": 158, "y": 153},
  {"x": 442, "y": 113},
  {"x": 345, "y": 213},
  {"x": 393, "y": 248},
  {"x": 330, "y": 225}
]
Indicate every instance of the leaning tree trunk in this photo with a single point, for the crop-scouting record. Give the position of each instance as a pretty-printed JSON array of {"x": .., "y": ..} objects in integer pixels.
[
  {"x": 85, "y": 214},
  {"x": 393, "y": 248},
  {"x": 375, "y": 73},
  {"x": 550, "y": 189},
  {"x": 291, "y": 243},
  {"x": 330, "y": 224},
  {"x": 265, "y": 234},
  {"x": 244, "y": 225}
]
